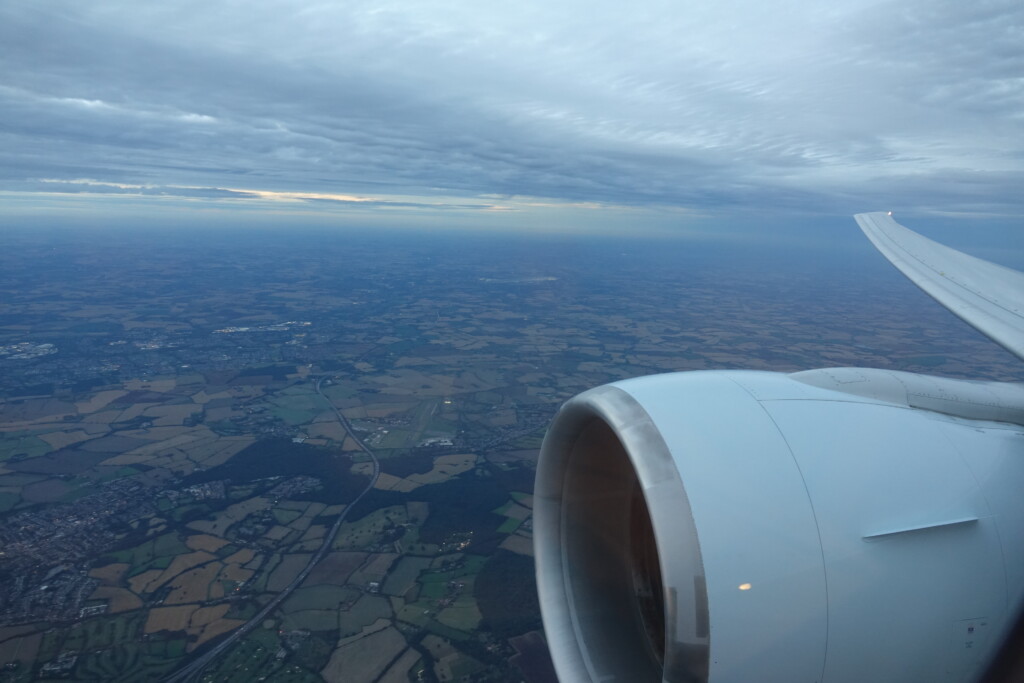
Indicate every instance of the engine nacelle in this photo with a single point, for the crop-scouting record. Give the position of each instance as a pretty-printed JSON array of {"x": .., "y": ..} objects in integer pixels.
[{"x": 750, "y": 526}]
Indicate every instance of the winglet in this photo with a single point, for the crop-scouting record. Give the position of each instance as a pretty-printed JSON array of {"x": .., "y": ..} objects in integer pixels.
[{"x": 987, "y": 296}]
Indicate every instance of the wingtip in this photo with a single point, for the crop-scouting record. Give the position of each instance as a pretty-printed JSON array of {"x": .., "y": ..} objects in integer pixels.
[
  {"x": 981, "y": 293},
  {"x": 876, "y": 221}
]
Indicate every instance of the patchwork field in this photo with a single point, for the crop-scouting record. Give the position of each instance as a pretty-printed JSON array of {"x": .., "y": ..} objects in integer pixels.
[
  {"x": 233, "y": 514},
  {"x": 205, "y": 542},
  {"x": 365, "y": 659},
  {"x": 335, "y": 568},
  {"x": 286, "y": 571},
  {"x": 169, "y": 618},
  {"x": 118, "y": 599}
]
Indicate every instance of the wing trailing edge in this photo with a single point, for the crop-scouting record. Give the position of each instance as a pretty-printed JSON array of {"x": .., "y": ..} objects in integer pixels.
[{"x": 987, "y": 296}]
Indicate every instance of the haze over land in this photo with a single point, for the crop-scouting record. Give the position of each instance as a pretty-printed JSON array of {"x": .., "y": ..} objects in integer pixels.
[{"x": 183, "y": 423}]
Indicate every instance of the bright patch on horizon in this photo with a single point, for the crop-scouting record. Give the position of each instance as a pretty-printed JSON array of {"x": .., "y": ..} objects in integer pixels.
[
  {"x": 298, "y": 196},
  {"x": 94, "y": 187}
]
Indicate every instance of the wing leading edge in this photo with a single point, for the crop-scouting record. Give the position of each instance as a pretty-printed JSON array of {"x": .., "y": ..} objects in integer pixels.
[{"x": 987, "y": 296}]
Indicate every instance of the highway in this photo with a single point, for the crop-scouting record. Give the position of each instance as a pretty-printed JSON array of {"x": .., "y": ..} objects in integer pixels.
[{"x": 194, "y": 669}]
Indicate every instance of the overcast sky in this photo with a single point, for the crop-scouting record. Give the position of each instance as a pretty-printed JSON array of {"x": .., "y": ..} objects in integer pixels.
[{"x": 539, "y": 114}]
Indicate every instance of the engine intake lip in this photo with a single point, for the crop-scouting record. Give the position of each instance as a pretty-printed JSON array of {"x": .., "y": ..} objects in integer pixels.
[{"x": 602, "y": 452}]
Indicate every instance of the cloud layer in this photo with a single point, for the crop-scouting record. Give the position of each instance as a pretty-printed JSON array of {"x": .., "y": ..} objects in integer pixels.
[{"x": 790, "y": 107}]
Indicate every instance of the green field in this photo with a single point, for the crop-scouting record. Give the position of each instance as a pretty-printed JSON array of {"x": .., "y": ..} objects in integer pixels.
[
  {"x": 285, "y": 517},
  {"x": 464, "y": 666},
  {"x": 434, "y": 586},
  {"x": 342, "y": 390},
  {"x": 245, "y": 609},
  {"x": 365, "y": 531},
  {"x": 191, "y": 511},
  {"x": 404, "y": 575},
  {"x": 509, "y": 525},
  {"x": 442, "y": 427},
  {"x": 419, "y": 614},
  {"x": 297, "y": 407},
  {"x": 423, "y": 415},
  {"x": 416, "y": 613},
  {"x": 463, "y": 613},
  {"x": 13, "y": 480},
  {"x": 471, "y": 564},
  {"x": 397, "y": 438},
  {"x": 241, "y": 492},
  {"x": 22, "y": 443},
  {"x": 153, "y": 554},
  {"x": 227, "y": 550},
  {"x": 312, "y": 620},
  {"x": 322, "y": 597},
  {"x": 8, "y": 501},
  {"x": 79, "y": 489},
  {"x": 293, "y": 416},
  {"x": 364, "y": 612}
]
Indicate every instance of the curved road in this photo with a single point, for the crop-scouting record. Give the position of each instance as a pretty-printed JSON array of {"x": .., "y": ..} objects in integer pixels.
[{"x": 195, "y": 668}]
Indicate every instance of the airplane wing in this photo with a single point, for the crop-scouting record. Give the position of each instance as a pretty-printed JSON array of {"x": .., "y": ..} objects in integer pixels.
[{"x": 985, "y": 295}]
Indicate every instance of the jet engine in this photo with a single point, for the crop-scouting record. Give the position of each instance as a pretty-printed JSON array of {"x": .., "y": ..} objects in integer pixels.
[{"x": 831, "y": 526}]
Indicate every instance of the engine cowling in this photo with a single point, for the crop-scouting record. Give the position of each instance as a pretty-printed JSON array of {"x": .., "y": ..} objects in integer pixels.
[{"x": 749, "y": 526}]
